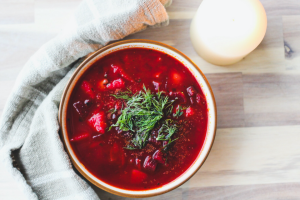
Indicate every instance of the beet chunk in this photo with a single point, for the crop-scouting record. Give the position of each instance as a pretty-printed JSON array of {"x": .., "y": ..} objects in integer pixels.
[
  {"x": 179, "y": 95},
  {"x": 150, "y": 164},
  {"x": 191, "y": 91},
  {"x": 87, "y": 88},
  {"x": 118, "y": 69},
  {"x": 80, "y": 137},
  {"x": 159, "y": 156},
  {"x": 97, "y": 121},
  {"x": 189, "y": 112},
  {"x": 118, "y": 83},
  {"x": 157, "y": 85},
  {"x": 198, "y": 98}
]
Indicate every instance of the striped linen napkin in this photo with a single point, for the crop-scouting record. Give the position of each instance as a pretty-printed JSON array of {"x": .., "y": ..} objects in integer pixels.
[{"x": 29, "y": 125}]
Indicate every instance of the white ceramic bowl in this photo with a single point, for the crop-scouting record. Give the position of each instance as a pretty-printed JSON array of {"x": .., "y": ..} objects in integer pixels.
[{"x": 212, "y": 115}]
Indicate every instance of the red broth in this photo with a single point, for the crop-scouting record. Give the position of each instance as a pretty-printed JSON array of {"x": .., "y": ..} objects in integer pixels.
[{"x": 92, "y": 110}]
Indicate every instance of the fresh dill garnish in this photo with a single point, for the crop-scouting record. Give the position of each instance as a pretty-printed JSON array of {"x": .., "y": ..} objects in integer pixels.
[
  {"x": 179, "y": 112},
  {"x": 169, "y": 142},
  {"x": 113, "y": 110},
  {"x": 169, "y": 129},
  {"x": 143, "y": 112},
  {"x": 123, "y": 94}
]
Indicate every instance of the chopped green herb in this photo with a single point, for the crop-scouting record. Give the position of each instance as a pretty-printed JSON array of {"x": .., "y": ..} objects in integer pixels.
[
  {"x": 113, "y": 110},
  {"x": 123, "y": 94},
  {"x": 169, "y": 129},
  {"x": 169, "y": 142},
  {"x": 179, "y": 112},
  {"x": 143, "y": 112}
]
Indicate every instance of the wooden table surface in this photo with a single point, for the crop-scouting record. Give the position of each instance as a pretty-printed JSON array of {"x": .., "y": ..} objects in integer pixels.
[{"x": 256, "y": 154}]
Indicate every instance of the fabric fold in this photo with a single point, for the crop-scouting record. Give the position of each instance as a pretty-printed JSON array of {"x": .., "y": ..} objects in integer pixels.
[{"x": 29, "y": 123}]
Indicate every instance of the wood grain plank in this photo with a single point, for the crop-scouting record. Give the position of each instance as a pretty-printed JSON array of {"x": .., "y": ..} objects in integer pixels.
[
  {"x": 179, "y": 5},
  {"x": 291, "y": 35},
  {"x": 268, "y": 57},
  {"x": 252, "y": 155},
  {"x": 271, "y": 99},
  {"x": 272, "y": 7},
  {"x": 16, "y": 11},
  {"x": 248, "y": 192},
  {"x": 228, "y": 91},
  {"x": 279, "y": 7}
]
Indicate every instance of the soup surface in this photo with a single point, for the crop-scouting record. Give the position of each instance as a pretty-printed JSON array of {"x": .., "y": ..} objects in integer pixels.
[{"x": 137, "y": 119}]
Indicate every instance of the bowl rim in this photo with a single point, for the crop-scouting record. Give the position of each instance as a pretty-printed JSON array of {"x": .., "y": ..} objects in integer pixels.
[{"x": 63, "y": 130}]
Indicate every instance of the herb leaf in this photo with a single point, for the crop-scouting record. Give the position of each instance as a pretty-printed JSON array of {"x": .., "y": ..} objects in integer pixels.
[
  {"x": 179, "y": 112},
  {"x": 167, "y": 128},
  {"x": 143, "y": 112}
]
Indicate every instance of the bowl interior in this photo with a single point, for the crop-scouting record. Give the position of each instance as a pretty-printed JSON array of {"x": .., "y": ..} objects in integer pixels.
[{"x": 204, "y": 86}]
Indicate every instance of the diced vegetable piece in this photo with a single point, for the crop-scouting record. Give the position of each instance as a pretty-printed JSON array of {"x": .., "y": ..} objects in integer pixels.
[
  {"x": 157, "y": 85},
  {"x": 191, "y": 91},
  {"x": 80, "y": 137},
  {"x": 97, "y": 121},
  {"x": 189, "y": 112},
  {"x": 150, "y": 164},
  {"x": 102, "y": 84},
  {"x": 118, "y": 69},
  {"x": 198, "y": 98},
  {"x": 118, "y": 83},
  {"x": 138, "y": 163},
  {"x": 179, "y": 95},
  {"x": 138, "y": 176},
  {"x": 87, "y": 88},
  {"x": 159, "y": 156},
  {"x": 80, "y": 108}
]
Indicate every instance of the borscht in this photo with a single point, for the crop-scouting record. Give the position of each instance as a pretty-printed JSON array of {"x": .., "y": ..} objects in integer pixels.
[{"x": 137, "y": 119}]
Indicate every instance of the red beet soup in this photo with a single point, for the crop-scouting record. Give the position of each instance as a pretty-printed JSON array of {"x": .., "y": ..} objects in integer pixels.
[{"x": 137, "y": 119}]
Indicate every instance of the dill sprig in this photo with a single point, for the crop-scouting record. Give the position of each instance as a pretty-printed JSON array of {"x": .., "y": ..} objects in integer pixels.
[
  {"x": 179, "y": 112},
  {"x": 168, "y": 128},
  {"x": 143, "y": 112}
]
